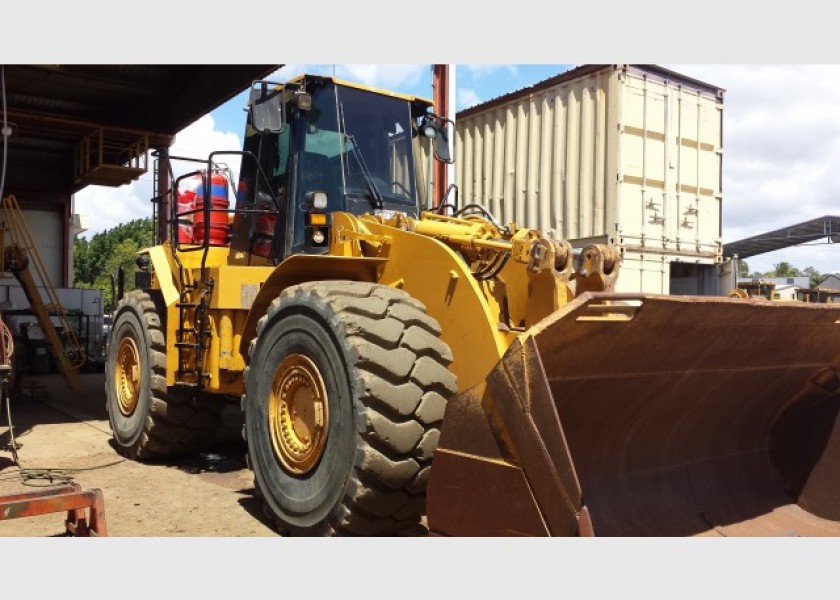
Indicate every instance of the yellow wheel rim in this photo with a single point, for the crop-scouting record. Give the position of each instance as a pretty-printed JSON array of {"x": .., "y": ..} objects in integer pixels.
[
  {"x": 127, "y": 376},
  {"x": 298, "y": 414}
]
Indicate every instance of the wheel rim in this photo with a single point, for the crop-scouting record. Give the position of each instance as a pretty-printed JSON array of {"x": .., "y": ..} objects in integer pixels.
[
  {"x": 127, "y": 376},
  {"x": 298, "y": 414}
]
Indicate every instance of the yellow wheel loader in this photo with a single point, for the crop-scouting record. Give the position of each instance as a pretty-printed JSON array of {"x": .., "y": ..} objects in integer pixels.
[
  {"x": 757, "y": 288},
  {"x": 403, "y": 370}
]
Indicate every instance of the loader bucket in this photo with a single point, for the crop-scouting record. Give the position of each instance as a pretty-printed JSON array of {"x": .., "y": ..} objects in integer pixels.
[{"x": 633, "y": 415}]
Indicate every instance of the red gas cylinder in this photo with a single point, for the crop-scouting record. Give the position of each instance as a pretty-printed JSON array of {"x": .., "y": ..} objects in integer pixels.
[
  {"x": 186, "y": 202},
  {"x": 266, "y": 223},
  {"x": 219, "y": 233}
]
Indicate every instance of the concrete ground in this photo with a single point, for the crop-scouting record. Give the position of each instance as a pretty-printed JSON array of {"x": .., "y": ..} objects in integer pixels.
[{"x": 210, "y": 494}]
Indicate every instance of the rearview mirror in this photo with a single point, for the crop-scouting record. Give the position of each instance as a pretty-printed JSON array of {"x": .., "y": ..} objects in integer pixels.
[
  {"x": 442, "y": 145},
  {"x": 266, "y": 107},
  {"x": 440, "y": 131}
]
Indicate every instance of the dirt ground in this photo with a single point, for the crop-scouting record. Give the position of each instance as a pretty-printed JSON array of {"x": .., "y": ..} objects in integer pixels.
[{"x": 210, "y": 494}]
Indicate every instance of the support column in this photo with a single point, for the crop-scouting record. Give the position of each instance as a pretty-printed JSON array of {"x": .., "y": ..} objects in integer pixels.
[
  {"x": 440, "y": 91},
  {"x": 162, "y": 188}
]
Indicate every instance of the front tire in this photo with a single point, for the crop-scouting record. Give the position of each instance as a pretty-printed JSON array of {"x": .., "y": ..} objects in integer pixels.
[{"x": 345, "y": 394}]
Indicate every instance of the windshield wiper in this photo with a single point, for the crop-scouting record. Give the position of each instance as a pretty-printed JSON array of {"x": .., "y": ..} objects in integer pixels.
[{"x": 376, "y": 198}]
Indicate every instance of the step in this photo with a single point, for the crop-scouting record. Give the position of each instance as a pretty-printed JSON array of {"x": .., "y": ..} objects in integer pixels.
[{"x": 186, "y": 345}]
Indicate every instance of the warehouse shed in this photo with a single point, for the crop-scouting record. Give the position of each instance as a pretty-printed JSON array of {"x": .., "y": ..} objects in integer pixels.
[
  {"x": 624, "y": 154},
  {"x": 69, "y": 126},
  {"x": 77, "y": 125}
]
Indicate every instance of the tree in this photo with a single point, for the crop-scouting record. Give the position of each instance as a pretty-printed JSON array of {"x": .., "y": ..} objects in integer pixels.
[
  {"x": 95, "y": 260},
  {"x": 815, "y": 278},
  {"x": 743, "y": 268},
  {"x": 785, "y": 269}
]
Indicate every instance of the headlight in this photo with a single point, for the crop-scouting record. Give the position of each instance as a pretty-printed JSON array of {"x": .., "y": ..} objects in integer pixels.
[
  {"x": 319, "y": 201},
  {"x": 315, "y": 200}
]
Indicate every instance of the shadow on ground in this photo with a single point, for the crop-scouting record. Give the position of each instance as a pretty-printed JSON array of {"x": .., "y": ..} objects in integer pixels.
[{"x": 253, "y": 505}]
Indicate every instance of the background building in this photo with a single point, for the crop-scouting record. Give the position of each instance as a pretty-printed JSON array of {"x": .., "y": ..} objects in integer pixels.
[{"x": 624, "y": 154}]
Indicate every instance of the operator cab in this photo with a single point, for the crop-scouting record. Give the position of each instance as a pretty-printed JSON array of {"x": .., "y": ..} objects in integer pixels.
[{"x": 324, "y": 145}]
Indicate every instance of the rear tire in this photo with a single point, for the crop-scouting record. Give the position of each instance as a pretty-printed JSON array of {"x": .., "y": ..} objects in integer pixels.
[
  {"x": 385, "y": 380},
  {"x": 149, "y": 420}
]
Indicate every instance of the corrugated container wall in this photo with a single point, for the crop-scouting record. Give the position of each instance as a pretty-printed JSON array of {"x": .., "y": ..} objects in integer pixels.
[{"x": 629, "y": 155}]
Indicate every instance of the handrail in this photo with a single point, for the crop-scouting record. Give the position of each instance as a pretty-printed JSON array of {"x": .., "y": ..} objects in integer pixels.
[{"x": 23, "y": 246}]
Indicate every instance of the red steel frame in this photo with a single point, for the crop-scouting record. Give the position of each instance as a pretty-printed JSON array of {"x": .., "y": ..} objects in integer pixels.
[{"x": 70, "y": 498}]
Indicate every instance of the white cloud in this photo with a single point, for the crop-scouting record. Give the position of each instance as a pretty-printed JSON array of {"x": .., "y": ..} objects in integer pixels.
[
  {"x": 381, "y": 76},
  {"x": 108, "y": 207},
  {"x": 202, "y": 137},
  {"x": 467, "y": 98},
  {"x": 781, "y": 139}
]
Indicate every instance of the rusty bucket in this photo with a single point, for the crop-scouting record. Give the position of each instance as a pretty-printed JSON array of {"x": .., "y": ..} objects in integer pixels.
[{"x": 635, "y": 415}]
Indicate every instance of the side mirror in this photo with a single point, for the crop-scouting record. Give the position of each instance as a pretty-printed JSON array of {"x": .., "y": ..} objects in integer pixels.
[
  {"x": 442, "y": 145},
  {"x": 441, "y": 131},
  {"x": 266, "y": 107}
]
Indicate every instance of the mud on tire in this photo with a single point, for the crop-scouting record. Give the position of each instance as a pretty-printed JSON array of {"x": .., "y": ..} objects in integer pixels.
[
  {"x": 387, "y": 380},
  {"x": 164, "y": 422}
]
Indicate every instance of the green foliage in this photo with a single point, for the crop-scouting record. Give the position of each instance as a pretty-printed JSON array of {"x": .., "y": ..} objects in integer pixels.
[
  {"x": 95, "y": 260},
  {"x": 785, "y": 269},
  {"x": 815, "y": 277}
]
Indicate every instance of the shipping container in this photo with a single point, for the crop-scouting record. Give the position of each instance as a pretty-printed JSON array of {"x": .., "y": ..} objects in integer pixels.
[{"x": 623, "y": 154}]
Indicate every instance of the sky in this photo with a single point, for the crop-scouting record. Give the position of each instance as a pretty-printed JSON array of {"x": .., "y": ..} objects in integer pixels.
[
  {"x": 781, "y": 145},
  {"x": 781, "y": 141}
]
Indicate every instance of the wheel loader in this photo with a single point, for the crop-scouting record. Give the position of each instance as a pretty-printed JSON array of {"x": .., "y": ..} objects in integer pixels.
[
  {"x": 757, "y": 288},
  {"x": 404, "y": 369}
]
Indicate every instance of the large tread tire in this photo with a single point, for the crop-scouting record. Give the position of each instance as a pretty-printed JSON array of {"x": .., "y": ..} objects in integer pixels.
[
  {"x": 387, "y": 377},
  {"x": 167, "y": 422}
]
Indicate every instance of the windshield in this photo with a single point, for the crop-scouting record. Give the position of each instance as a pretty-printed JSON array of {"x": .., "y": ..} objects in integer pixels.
[
  {"x": 377, "y": 148},
  {"x": 356, "y": 146}
]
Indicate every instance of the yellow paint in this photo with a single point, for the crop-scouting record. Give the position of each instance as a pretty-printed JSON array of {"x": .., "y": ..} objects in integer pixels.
[
  {"x": 216, "y": 255},
  {"x": 127, "y": 376},
  {"x": 298, "y": 414},
  {"x": 434, "y": 274},
  {"x": 211, "y": 355},
  {"x": 226, "y": 358},
  {"x": 231, "y": 294},
  {"x": 164, "y": 269},
  {"x": 430, "y": 258},
  {"x": 239, "y": 318},
  {"x": 171, "y": 350},
  {"x": 301, "y": 268}
]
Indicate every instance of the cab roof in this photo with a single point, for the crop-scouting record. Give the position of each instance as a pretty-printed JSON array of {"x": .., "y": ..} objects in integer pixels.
[{"x": 361, "y": 86}]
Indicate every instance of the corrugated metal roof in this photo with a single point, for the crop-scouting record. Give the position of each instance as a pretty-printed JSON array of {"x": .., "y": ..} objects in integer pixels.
[
  {"x": 827, "y": 227},
  {"x": 52, "y": 107}
]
